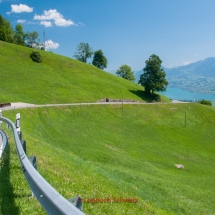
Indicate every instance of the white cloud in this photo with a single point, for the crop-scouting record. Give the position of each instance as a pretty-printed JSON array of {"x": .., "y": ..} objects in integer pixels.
[
  {"x": 21, "y": 20},
  {"x": 26, "y": 22},
  {"x": 56, "y": 16},
  {"x": 0, "y": 1},
  {"x": 46, "y": 23},
  {"x": 186, "y": 62},
  {"x": 20, "y": 8},
  {"x": 51, "y": 45},
  {"x": 63, "y": 22}
]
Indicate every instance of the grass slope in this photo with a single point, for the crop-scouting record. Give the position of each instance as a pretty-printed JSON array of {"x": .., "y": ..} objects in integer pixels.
[
  {"x": 95, "y": 152},
  {"x": 58, "y": 79}
]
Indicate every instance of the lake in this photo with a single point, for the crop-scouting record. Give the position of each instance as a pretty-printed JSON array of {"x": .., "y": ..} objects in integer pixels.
[{"x": 178, "y": 94}]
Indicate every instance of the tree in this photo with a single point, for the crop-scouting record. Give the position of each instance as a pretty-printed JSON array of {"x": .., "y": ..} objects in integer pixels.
[
  {"x": 205, "y": 102},
  {"x": 32, "y": 39},
  {"x": 2, "y": 29},
  {"x": 84, "y": 51},
  {"x": 125, "y": 71},
  {"x": 9, "y": 31},
  {"x": 99, "y": 60},
  {"x": 19, "y": 35},
  {"x": 6, "y": 31},
  {"x": 153, "y": 77}
]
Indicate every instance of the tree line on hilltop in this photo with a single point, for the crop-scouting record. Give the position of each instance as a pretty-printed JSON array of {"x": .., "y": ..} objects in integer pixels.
[
  {"x": 18, "y": 36},
  {"x": 153, "y": 78},
  {"x": 84, "y": 51}
]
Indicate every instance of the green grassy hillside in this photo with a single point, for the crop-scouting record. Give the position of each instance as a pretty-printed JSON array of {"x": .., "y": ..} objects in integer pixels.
[
  {"x": 58, "y": 79},
  {"x": 95, "y": 152}
]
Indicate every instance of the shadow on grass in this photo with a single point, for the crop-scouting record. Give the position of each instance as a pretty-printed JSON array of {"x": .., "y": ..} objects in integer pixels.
[
  {"x": 146, "y": 96},
  {"x": 7, "y": 203}
]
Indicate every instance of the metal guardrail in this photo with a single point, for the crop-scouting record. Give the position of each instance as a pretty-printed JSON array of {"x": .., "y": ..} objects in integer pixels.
[
  {"x": 4, "y": 143},
  {"x": 53, "y": 202}
]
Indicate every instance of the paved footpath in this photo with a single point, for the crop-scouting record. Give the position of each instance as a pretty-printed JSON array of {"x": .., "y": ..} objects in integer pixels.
[{"x": 20, "y": 105}]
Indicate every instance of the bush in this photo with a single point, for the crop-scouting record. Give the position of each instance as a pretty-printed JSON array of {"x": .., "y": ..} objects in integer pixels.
[
  {"x": 205, "y": 102},
  {"x": 35, "y": 56}
]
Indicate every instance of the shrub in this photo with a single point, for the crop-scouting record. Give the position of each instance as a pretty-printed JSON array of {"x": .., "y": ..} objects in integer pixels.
[
  {"x": 35, "y": 56},
  {"x": 205, "y": 102}
]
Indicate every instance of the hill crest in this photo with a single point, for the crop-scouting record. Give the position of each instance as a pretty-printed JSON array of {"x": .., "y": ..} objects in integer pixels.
[{"x": 58, "y": 79}]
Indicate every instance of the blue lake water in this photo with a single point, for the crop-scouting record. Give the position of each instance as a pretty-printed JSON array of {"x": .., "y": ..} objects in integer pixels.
[{"x": 178, "y": 94}]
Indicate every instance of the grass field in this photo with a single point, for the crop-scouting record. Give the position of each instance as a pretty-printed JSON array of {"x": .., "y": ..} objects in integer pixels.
[{"x": 96, "y": 152}]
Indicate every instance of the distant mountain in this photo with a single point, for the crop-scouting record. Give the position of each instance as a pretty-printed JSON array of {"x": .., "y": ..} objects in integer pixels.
[
  {"x": 204, "y": 68},
  {"x": 196, "y": 77}
]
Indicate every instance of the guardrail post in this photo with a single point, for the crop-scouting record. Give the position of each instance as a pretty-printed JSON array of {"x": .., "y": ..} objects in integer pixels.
[
  {"x": 18, "y": 126},
  {"x": 20, "y": 135},
  {"x": 33, "y": 160},
  {"x": 18, "y": 122},
  {"x": 19, "y": 132},
  {"x": 77, "y": 202},
  {"x": 24, "y": 145}
]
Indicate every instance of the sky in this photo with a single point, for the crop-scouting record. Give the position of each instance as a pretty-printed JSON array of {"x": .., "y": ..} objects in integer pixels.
[{"x": 127, "y": 31}]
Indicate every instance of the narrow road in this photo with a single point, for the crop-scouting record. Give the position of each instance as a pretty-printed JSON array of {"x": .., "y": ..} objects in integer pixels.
[{"x": 20, "y": 105}]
